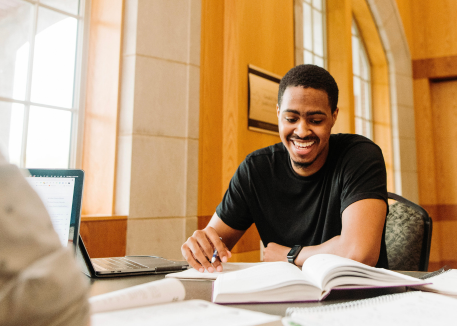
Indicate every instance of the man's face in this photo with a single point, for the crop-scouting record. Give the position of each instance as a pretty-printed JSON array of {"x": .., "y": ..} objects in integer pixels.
[{"x": 305, "y": 121}]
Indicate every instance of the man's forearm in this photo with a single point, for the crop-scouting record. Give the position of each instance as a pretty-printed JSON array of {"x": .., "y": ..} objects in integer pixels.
[{"x": 338, "y": 246}]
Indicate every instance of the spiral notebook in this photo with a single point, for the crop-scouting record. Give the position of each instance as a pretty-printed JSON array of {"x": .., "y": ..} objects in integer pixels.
[
  {"x": 403, "y": 309},
  {"x": 443, "y": 281}
]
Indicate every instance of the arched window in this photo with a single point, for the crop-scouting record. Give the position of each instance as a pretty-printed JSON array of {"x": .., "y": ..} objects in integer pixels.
[
  {"x": 40, "y": 79},
  {"x": 310, "y": 33},
  {"x": 362, "y": 85}
]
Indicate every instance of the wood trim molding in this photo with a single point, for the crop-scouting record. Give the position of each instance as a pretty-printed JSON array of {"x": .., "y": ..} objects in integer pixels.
[
  {"x": 95, "y": 218},
  {"x": 442, "y": 212},
  {"x": 435, "y": 265},
  {"x": 105, "y": 236},
  {"x": 435, "y": 68}
]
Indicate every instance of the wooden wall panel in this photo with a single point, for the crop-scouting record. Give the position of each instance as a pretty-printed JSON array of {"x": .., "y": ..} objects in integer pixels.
[
  {"x": 104, "y": 236},
  {"x": 339, "y": 50},
  {"x": 436, "y": 115},
  {"x": 435, "y": 68},
  {"x": 425, "y": 142},
  {"x": 210, "y": 133},
  {"x": 261, "y": 33},
  {"x": 434, "y": 28},
  {"x": 258, "y": 32},
  {"x": 444, "y": 118}
]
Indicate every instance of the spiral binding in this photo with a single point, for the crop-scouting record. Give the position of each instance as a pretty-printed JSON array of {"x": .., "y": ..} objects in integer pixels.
[
  {"x": 442, "y": 270},
  {"x": 348, "y": 305}
]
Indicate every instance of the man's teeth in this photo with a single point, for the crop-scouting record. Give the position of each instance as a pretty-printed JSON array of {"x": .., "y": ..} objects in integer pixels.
[{"x": 303, "y": 145}]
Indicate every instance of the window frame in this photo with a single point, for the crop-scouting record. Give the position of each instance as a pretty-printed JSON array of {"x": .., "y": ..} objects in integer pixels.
[
  {"x": 79, "y": 82},
  {"x": 367, "y": 113},
  {"x": 299, "y": 32}
]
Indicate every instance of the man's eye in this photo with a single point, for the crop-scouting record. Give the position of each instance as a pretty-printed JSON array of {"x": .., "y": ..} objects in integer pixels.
[
  {"x": 291, "y": 120},
  {"x": 316, "y": 122}
]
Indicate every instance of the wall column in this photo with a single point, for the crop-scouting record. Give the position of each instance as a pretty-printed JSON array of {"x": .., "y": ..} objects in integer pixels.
[{"x": 158, "y": 137}]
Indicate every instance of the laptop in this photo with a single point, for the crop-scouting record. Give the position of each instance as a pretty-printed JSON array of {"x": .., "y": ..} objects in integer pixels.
[{"x": 61, "y": 192}]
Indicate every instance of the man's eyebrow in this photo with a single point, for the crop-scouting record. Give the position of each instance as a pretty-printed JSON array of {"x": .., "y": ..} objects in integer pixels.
[
  {"x": 309, "y": 113},
  {"x": 319, "y": 112},
  {"x": 291, "y": 111}
]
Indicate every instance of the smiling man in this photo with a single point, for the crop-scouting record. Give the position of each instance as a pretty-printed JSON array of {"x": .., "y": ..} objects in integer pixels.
[{"x": 312, "y": 193}]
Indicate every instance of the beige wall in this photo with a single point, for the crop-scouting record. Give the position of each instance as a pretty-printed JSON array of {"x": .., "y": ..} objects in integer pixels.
[{"x": 157, "y": 153}]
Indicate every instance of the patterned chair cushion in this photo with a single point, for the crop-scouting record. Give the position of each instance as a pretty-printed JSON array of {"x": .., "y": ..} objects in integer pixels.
[{"x": 404, "y": 235}]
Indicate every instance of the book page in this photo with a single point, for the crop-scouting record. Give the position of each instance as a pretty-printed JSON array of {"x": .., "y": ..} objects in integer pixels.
[
  {"x": 261, "y": 277},
  {"x": 155, "y": 292},
  {"x": 189, "y": 313},
  {"x": 192, "y": 273},
  {"x": 324, "y": 267},
  {"x": 445, "y": 283},
  {"x": 411, "y": 308}
]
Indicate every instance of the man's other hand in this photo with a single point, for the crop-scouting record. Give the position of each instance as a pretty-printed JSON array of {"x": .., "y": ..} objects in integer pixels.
[{"x": 275, "y": 252}]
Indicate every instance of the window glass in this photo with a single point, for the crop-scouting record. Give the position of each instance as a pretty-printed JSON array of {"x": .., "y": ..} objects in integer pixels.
[
  {"x": 11, "y": 127},
  {"x": 54, "y": 59},
  {"x": 70, "y": 6},
  {"x": 362, "y": 86},
  {"x": 310, "y": 31},
  {"x": 15, "y": 33},
  {"x": 48, "y": 141},
  {"x": 40, "y": 81}
]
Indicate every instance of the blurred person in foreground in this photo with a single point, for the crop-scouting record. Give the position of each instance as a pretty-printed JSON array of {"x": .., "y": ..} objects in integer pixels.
[{"x": 40, "y": 283}]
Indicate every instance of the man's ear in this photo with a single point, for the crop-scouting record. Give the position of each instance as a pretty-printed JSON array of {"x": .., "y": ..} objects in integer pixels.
[
  {"x": 335, "y": 115},
  {"x": 277, "y": 110}
]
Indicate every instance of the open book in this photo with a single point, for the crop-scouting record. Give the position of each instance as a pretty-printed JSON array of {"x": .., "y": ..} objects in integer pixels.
[
  {"x": 156, "y": 303},
  {"x": 284, "y": 282},
  {"x": 189, "y": 313},
  {"x": 192, "y": 273},
  {"x": 146, "y": 294}
]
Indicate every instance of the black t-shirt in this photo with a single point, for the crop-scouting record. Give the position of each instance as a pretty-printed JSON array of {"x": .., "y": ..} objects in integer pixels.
[{"x": 289, "y": 209}]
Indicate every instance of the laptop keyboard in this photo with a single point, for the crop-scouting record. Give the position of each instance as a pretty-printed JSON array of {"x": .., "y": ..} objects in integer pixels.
[{"x": 116, "y": 263}]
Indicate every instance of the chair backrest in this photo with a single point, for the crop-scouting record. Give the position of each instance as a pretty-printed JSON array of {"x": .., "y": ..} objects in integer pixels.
[{"x": 408, "y": 235}]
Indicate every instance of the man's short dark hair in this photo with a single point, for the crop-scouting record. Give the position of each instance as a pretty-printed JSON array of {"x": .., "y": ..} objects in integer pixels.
[{"x": 310, "y": 76}]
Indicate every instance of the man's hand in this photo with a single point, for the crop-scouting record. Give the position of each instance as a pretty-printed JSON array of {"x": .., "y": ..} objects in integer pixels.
[
  {"x": 199, "y": 248},
  {"x": 275, "y": 252}
]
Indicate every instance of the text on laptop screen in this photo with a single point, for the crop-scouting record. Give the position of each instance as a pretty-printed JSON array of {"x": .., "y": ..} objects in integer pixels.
[{"x": 57, "y": 196}]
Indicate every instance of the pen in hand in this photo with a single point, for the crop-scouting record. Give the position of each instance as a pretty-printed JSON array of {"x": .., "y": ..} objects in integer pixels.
[{"x": 213, "y": 259}]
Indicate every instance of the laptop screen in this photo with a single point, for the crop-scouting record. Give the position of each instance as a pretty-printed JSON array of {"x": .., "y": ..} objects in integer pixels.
[{"x": 61, "y": 192}]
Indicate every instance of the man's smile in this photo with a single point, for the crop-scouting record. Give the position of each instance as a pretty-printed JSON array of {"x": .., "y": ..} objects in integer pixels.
[{"x": 299, "y": 144}]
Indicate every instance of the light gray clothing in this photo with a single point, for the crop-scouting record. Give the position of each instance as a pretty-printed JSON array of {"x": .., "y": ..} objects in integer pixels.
[{"x": 40, "y": 283}]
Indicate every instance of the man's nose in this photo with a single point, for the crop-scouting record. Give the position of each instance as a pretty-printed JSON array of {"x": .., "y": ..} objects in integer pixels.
[{"x": 302, "y": 130}]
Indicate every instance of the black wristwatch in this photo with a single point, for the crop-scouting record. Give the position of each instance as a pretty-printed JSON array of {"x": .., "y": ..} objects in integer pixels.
[{"x": 293, "y": 253}]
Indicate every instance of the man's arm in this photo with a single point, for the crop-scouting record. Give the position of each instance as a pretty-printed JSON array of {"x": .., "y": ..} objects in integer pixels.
[
  {"x": 199, "y": 248},
  {"x": 360, "y": 239}
]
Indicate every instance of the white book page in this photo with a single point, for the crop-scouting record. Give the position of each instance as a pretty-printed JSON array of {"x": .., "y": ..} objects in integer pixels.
[
  {"x": 226, "y": 268},
  {"x": 189, "y": 313},
  {"x": 263, "y": 277},
  {"x": 155, "y": 292},
  {"x": 411, "y": 308},
  {"x": 323, "y": 267}
]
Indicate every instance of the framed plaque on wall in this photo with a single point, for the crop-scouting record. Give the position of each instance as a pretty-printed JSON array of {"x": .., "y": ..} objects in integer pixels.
[{"x": 262, "y": 99}]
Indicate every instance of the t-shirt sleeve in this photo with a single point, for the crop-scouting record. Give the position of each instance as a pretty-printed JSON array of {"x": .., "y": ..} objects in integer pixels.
[
  {"x": 234, "y": 209},
  {"x": 363, "y": 174}
]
